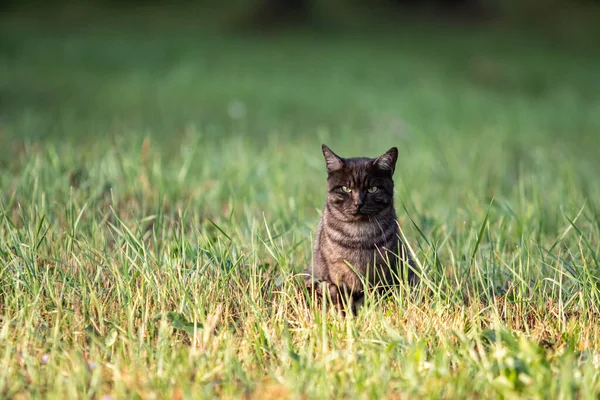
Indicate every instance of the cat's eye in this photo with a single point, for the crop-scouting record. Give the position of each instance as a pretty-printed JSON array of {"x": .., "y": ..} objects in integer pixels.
[
  {"x": 346, "y": 189},
  {"x": 372, "y": 189}
]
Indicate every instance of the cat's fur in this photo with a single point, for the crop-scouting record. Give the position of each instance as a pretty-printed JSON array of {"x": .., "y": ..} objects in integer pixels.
[{"x": 357, "y": 228}]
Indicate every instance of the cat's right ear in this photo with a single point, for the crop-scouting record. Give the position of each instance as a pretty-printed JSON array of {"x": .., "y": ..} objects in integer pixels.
[
  {"x": 387, "y": 162},
  {"x": 331, "y": 159}
]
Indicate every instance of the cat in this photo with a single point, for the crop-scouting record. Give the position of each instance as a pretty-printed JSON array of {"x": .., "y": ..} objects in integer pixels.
[{"x": 358, "y": 234}]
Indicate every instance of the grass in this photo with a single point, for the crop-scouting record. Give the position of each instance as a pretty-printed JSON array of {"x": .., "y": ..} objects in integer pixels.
[{"x": 159, "y": 189}]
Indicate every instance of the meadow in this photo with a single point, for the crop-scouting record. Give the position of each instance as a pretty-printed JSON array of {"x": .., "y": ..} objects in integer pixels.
[{"x": 160, "y": 185}]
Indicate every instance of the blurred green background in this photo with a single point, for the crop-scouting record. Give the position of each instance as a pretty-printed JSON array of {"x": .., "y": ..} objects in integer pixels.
[
  {"x": 77, "y": 69},
  {"x": 474, "y": 93}
]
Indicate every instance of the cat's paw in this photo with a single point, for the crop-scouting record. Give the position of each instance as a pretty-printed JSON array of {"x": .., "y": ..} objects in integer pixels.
[
  {"x": 323, "y": 289},
  {"x": 311, "y": 284}
]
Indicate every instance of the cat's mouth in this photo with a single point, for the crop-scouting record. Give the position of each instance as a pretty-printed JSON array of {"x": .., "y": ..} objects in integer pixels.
[{"x": 361, "y": 214}]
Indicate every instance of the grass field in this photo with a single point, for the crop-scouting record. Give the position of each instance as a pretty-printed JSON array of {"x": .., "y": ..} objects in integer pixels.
[{"x": 160, "y": 185}]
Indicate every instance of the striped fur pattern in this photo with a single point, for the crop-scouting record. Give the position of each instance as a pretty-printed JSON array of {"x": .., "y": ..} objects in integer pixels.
[{"x": 358, "y": 232}]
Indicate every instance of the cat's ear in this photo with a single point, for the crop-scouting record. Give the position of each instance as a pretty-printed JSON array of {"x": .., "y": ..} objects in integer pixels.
[
  {"x": 331, "y": 159},
  {"x": 387, "y": 162}
]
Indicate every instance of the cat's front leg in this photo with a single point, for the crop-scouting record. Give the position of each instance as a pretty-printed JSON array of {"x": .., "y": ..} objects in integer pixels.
[{"x": 324, "y": 289}]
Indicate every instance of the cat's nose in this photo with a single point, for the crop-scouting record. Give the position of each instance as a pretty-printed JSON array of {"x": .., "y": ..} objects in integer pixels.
[{"x": 359, "y": 202}]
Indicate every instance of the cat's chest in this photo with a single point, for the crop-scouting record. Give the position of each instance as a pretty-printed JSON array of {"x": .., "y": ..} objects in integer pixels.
[
  {"x": 361, "y": 236},
  {"x": 360, "y": 244},
  {"x": 361, "y": 257}
]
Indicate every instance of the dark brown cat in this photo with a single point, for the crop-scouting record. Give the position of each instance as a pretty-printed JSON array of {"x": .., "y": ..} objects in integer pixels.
[{"x": 358, "y": 234}]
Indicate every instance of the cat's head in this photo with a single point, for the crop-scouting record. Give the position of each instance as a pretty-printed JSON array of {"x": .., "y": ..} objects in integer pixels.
[{"x": 359, "y": 187}]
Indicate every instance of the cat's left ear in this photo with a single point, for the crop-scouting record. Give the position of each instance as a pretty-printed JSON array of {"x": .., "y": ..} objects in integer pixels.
[
  {"x": 333, "y": 161},
  {"x": 387, "y": 162}
]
